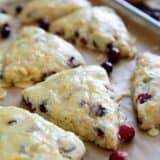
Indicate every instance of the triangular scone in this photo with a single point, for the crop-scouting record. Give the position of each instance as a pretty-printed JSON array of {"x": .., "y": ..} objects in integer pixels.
[
  {"x": 98, "y": 28},
  {"x": 79, "y": 100},
  {"x": 36, "y": 54},
  {"x": 50, "y": 9},
  {"x": 27, "y": 136},
  {"x": 146, "y": 92}
]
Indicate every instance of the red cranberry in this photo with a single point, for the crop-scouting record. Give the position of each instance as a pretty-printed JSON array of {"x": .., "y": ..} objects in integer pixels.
[
  {"x": 42, "y": 107},
  {"x": 107, "y": 66},
  {"x": 83, "y": 41},
  {"x": 144, "y": 97},
  {"x": 118, "y": 156},
  {"x": 43, "y": 23},
  {"x": 100, "y": 132},
  {"x": 18, "y": 8},
  {"x": 76, "y": 34},
  {"x": 28, "y": 105},
  {"x": 126, "y": 133},
  {"x": 113, "y": 55},
  {"x": 5, "y": 30},
  {"x": 109, "y": 45}
]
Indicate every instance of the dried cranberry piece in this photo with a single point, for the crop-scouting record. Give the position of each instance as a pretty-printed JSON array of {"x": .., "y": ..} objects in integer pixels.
[
  {"x": 107, "y": 66},
  {"x": 42, "y": 107},
  {"x": 83, "y": 41},
  {"x": 76, "y": 34},
  {"x": 144, "y": 97},
  {"x": 5, "y": 30},
  {"x": 126, "y": 133},
  {"x": 28, "y": 105},
  {"x": 109, "y": 46},
  {"x": 118, "y": 156},
  {"x": 113, "y": 55},
  {"x": 100, "y": 132},
  {"x": 98, "y": 110},
  {"x": 43, "y": 23},
  {"x": 19, "y": 8}
]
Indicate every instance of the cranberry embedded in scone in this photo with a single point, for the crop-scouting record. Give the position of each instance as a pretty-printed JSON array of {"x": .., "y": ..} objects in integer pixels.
[
  {"x": 144, "y": 97},
  {"x": 118, "y": 156},
  {"x": 126, "y": 133}
]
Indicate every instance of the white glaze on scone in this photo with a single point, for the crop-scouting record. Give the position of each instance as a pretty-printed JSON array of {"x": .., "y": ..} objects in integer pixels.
[
  {"x": 146, "y": 94},
  {"x": 50, "y": 9},
  {"x": 94, "y": 28},
  {"x": 36, "y": 54},
  {"x": 27, "y": 136},
  {"x": 80, "y": 100}
]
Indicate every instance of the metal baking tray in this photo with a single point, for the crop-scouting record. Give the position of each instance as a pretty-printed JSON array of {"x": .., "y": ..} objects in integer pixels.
[{"x": 135, "y": 14}]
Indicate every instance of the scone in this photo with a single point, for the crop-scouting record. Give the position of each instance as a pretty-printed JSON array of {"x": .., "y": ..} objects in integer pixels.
[
  {"x": 98, "y": 28},
  {"x": 27, "y": 136},
  {"x": 36, "y": 54},
  {"x": 50, "y": 9},
  {"x": 146, "y": 95},
  {"x": 80, "y": 100}
]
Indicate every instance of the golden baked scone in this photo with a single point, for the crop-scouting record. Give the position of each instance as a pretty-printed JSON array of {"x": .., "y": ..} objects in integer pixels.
[
  {"x": 50, "y": 9},
  {"x": 146, "y": 95},
  {"x": 80, "y": 100},
  {"x": 36, "y": 54},
  {"x": 27, "y": 136},
  {"x": 98, "y": 28}
]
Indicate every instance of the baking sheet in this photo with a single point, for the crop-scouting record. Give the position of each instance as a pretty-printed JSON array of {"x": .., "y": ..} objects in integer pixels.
[{"x": 143, "y": 147}]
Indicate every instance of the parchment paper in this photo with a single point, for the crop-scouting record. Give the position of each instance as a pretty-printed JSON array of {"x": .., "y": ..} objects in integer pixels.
[{"x": 143, "y": 147}]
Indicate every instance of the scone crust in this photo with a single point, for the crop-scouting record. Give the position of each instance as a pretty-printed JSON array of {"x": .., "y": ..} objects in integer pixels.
[
  {"x": 80, "y": 100},
  {"x": 97, "y": 28},
  {"x": 146, "y": 95},
  {"x": 50, "y": 9},
  {"x": 27, "y": 136},
  {"x": 36, "y": 54}
]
